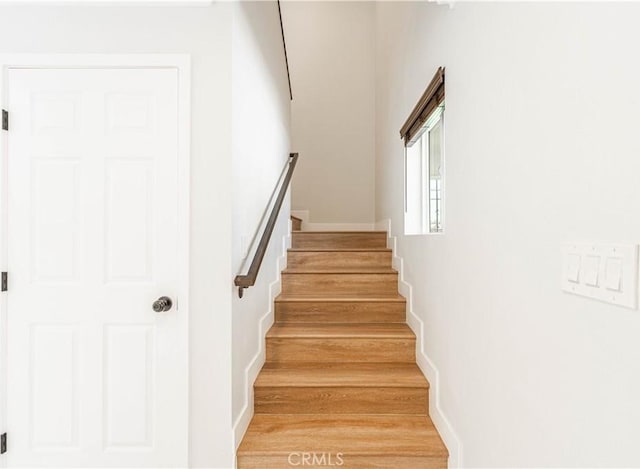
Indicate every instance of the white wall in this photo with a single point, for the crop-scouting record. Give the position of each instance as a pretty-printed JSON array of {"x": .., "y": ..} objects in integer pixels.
[
  {"x": 261, "y": 110},
  {"x": 205, "y": 33},
  {"x": 331, "y": 58},
  {"x": 541, "y": 149}
]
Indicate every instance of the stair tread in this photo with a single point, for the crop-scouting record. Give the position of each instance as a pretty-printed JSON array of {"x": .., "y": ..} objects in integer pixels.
[
  {"x": 349, "y": 297},
  {"x": 339, "y": 249},
  {"x": 314, "y": 330},
  {"x": 400, "y": 375},
  {"x": 340, "y": 270},
  {"x": 349, "y": 434},
  {"x": 342, "y": 232}
]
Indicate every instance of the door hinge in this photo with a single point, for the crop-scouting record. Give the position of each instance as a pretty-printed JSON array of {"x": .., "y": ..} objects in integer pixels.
[
  {"x": 3, "y": 443},
  {"x": 4, "y": 283},
  {"x": 5, "y": 120}
]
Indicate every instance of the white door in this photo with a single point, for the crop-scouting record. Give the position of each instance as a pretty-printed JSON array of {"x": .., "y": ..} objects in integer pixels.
[{"x": 96, "y": 377}]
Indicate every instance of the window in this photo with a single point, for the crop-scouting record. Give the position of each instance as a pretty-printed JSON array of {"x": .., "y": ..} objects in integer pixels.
[{"x": 423, "y": 135}]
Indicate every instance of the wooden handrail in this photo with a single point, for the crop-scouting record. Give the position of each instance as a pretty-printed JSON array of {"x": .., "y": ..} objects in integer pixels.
[{"x": 248, "y": 280}]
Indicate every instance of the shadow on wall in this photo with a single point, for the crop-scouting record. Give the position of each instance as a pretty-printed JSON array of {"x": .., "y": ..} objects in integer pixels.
[{"x": 254, "y": 13}]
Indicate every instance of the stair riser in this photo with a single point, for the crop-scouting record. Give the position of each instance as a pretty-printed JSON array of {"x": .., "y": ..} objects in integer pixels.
[
  {"x": 341, "y": 400},
  {"x": 330, "y": 260},
  {"x": 340, "y": 284},
  {"x": 340, "y": 312},
  {"x": 302, "y": 240},
  {"x": 329, "y": 350},
  {"x": 342, "y": 460}
]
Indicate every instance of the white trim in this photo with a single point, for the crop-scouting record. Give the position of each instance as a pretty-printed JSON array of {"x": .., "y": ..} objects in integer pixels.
[
  {"x": 181, "y": 62},
  {"x": 440, "y": 420},
  {"x": 4, "y": 255},
  {"x": 451, "y": 3},
  {"x": 107, "y": 2},
  {"x": 253, "y": 368},
  {"x": 183, "y": 65}
]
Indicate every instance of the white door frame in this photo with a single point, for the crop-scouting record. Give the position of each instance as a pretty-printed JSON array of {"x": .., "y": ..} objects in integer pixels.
[{"x": 180, "y": 62}]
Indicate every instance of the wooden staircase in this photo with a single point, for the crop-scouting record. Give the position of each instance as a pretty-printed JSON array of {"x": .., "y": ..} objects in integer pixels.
[{"x": 340, "y": 386}]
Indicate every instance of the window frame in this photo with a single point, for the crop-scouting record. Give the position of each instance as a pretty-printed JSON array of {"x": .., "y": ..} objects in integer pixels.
[
  {"x": 438, "y": 117},
  {"x": 422, "y": 138},
  {"x": 426, "y": 114}
]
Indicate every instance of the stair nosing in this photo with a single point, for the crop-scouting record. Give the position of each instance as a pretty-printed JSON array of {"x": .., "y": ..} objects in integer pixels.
[
  {"x": 410, "y": 377},
  {"x": 357, "y": 453},
  {"x": 339, "y": 250},
  {"x": 334, "y": 270},
  {"x": 340, "y": 386},
  {"x": 340, "y": 299},
  {"x": 353, "y": 331},
  {"x": 343, "y": 232}
]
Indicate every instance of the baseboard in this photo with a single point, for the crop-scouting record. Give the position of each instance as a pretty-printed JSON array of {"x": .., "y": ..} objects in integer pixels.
[
  {"x": 251, "y": 371},
  {"x": 427, "y": 366}
]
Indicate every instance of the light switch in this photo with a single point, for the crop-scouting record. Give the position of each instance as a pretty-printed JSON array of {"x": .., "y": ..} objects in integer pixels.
[
  {"x": 573, "y": 268},
  {"x": 613, "y": 274},
  {"x": 604, "y": 272},
  {"x": 591, "y": 269}
]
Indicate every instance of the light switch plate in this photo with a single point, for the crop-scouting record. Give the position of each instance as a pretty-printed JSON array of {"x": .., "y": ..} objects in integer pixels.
[{"x": 605, "y": 272}]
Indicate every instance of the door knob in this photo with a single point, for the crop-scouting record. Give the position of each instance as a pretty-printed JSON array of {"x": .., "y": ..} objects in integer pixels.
[{"x": 162, "y": 304}]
